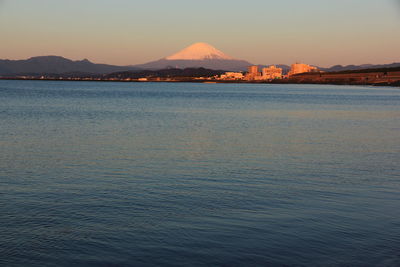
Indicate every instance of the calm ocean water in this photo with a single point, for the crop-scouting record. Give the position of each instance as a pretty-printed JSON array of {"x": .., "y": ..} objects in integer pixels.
[{"x": 175, "y": 174}]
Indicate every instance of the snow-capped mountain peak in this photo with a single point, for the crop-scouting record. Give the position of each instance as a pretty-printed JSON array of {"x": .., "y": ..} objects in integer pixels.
[{"x": 199, "y": 51}]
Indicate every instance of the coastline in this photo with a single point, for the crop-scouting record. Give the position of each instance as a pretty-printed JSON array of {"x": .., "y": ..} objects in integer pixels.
[{"x": 394, "y": 84}]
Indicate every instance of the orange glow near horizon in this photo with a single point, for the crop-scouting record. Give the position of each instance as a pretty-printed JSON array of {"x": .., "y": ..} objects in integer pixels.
[{"x": 315, "y": 32}]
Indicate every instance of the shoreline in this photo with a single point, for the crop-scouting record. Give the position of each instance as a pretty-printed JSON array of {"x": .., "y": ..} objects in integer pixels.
[{"x": 206, "y": 81}]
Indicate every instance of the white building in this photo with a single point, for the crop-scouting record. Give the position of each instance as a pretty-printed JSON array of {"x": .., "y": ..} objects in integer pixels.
[{"x": 232, "y": 76}]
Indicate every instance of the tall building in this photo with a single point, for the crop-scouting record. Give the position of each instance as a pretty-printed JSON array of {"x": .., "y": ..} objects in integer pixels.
[
  {"x": 272, "y": 72},
  {"x": 253, "y": 69},
  {"x": 301, "y": 68},
  {"x": 252, "y": 73}
]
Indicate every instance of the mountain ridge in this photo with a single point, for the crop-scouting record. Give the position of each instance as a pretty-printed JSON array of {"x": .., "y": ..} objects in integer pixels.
[
  {"x": 55, "y": 64},
  {"x": 215, "y": 64},
  {"x": 59, "y": 65},
  {"x": 336, "y": 68}
]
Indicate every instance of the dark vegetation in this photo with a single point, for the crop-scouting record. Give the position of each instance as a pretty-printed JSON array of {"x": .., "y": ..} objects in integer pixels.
[{"x": 165, "y": 73}]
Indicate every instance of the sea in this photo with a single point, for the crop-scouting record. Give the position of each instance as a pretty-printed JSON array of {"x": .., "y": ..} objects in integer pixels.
[{"x": 194, "y": 174}]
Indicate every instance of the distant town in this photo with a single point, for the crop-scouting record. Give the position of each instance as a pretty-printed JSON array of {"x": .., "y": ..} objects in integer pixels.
[
  {"x": 267, "y": 73},
  {"x": 299, "y": 73}
]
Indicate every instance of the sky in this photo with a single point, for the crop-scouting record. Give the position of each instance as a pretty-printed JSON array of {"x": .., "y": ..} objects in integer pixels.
[{"x": 128, "y": 32}]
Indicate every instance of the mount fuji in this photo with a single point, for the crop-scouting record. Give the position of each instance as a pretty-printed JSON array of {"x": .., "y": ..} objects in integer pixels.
[{"x": 196, "y": 56}]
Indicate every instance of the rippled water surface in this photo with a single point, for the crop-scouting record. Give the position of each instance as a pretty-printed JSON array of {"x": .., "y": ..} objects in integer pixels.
[{"x": 138, "y": 174}]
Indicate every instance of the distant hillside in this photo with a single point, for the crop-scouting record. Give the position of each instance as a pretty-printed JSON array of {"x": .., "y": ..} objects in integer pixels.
[
  {"x": 166, "y": 73},
  {"x": 359, "y": 67},
  {"x": 375, "y": 76},
  {"x": 369, "y": 70},
  {"x": 197, "y": 56},
  {"x": 215, "y": 64},
  {"x": 56, "y": 65}
]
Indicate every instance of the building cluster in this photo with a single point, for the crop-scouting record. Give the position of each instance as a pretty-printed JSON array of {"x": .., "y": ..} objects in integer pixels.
[
  {"x": 232, "y": 76},
  {"x": 301, "y": 68},
  {"x": 267, "y": 74}
]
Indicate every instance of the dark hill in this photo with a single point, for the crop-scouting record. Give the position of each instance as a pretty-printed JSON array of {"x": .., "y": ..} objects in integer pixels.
[
  {"x": 166, "y": 73},
  {"x": 56, "y": 65},
  {"x": 359, "y": 67},
  {"x": 214, "y": 64}
]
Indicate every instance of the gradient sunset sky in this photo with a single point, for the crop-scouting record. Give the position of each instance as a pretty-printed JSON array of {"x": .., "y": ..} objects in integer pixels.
[{"x": 124, "y": 32}]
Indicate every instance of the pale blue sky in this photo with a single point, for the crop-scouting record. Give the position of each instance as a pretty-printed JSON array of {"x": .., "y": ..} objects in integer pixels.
[{"x": 320, "y": 32}]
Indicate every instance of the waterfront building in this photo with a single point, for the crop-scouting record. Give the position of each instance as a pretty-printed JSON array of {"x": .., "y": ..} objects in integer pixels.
[
  {"x": 272, "y": 72},
  {"x": 253, "y": 69},
  {"x": 232, "y": 76},
  {"x": 252, "y": 73},
  {"x": 298, "y": 68}
]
